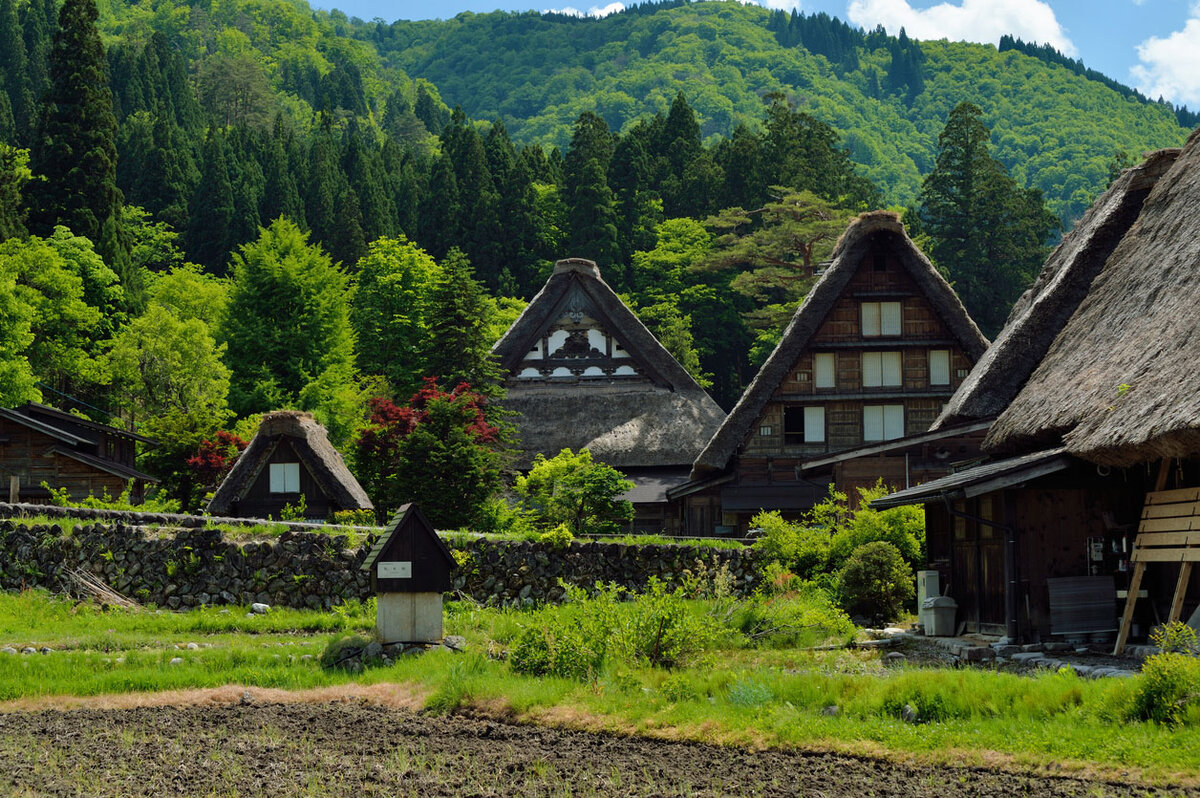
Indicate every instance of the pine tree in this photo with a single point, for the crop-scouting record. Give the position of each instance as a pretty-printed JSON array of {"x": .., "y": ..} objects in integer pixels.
[
  {"x": 988, "y": 233},
  {"x": 458, "y": 348},
  {"x": 75, "y": 147},
  {"x": 39, "y": 20},
  {"x": 440, "y": 212},
  {"x": 14, "y": 72},
  {"x": 592, "y": 218},
  {"x": 209, "y": 238}
]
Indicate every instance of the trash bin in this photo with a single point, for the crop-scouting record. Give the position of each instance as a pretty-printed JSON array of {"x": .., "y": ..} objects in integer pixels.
[{"x": 937, "y": 614}]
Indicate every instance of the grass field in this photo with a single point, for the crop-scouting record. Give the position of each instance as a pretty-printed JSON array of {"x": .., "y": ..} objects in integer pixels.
[{"x": 734, "y": 690}]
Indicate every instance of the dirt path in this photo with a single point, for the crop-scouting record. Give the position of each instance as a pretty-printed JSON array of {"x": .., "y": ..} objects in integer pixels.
[{"x": 365, "y": 748}]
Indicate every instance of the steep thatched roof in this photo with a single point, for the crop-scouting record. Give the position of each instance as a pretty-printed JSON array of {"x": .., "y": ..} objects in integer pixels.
[
  {"x": 661, "y": 418},
  {"x": 1042, "y": 311},
  {"x": 1120, "y": 385},
  {"x": 862, "y": 234},
  {"x": 308, "y": 440}
]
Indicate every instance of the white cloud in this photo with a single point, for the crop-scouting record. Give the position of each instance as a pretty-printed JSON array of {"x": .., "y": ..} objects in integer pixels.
[
  {"x": 594, "y": 11},
  {"x": 1171, "y": 65},
  {"x": 972, "y": 21}
]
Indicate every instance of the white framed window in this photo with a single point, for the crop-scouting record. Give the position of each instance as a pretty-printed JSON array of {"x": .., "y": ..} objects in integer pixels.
[
  {"x": 803, "y": 425},
  {"x": 823, "y": 370},
  {"x": 883, "y": 422},
  {"x": 285, "y": 477},
  {"x": 882, "y": 370},
  {"x": 881, "y": 318},
  {"x": 939, "y": 366},
  {"x": 764, "y": 431}
]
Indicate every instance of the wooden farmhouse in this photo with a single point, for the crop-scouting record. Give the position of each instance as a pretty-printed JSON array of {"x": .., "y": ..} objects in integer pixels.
[
  {"x": 39, "y": 444},
  {"x": 583, "y": 372},
  {"x": 1093, "y": 476},
  {"x": 880, "y": 343},
  {"x": 290, "y": 457}
]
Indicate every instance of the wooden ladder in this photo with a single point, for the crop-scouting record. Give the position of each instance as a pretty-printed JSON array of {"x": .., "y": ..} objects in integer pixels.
[{"x": 1169, "y": 532}]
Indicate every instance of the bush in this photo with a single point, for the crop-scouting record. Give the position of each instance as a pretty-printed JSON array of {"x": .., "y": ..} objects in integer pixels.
[
  {"x": 571, "y": 489},
  {"x": 558, "y": 538},
  {"x": 803, "y": 550},
  {"x": 339, "y": 649},
  {"x": 1169, "y": 690},
  {"x": 876, "y": 583},
  {"x": 661, "y": 630},
  {"x": 804, "y": 615}
]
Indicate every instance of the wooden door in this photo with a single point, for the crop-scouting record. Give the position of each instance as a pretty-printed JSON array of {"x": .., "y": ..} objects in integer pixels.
[{"x": 978, "y": 566}]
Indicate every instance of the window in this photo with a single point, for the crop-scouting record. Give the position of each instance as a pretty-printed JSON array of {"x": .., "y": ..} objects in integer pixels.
[
  {"x": 764, "y": 431},
  {"x": 939, "y": 366},
  {"x": 823, "y": 370},
  {"x": 881, "y": 370},
  {"x": 880, "y": 318},
  {"x": 883, "y": 422},
  {"x": 285, "y": 477},
  {"x": 803, "y": 425}
]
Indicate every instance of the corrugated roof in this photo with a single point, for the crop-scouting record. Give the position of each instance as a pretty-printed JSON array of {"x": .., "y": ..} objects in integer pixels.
[{"x": 981, "y": 479}]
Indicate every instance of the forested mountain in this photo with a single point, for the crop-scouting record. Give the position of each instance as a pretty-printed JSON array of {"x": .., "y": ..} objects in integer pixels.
[
  {"x": 888, "y": 98},
  {"x": 213, "y": 210}
]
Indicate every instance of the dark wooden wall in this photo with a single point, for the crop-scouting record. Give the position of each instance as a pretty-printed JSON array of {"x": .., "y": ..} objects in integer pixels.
[
  {"x": 25, "y": 453},
  {"x": 260, "y": 502}
]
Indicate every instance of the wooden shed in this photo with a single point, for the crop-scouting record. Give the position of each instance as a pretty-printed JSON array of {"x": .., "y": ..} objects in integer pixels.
[
  {"x": 410, "y": 568},
  {"x": 290, "y": 458},
  {"x": 41, "y": 444}
]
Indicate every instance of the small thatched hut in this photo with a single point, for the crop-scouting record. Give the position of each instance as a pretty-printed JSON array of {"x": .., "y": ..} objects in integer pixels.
[
  {"x": 585, "y": 373},
  {"x": 290, "y": 458},
  {"x": 1096, "y": 394},
  {"x": 876, "y": 348}
]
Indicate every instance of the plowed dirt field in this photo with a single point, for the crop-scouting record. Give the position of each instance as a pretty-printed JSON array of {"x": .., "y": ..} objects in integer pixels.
[{"x": 359, "y": 748}]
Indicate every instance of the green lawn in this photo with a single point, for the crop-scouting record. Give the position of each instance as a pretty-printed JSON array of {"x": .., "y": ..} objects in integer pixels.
[{"x": 733, "y": 690}]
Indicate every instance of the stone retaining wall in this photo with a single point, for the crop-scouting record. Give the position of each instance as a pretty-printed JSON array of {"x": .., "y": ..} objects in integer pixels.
[{"x": 179, "y": 568}]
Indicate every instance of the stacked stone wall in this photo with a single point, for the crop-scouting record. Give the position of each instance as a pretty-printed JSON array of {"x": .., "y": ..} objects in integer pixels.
[{"x": 186, "y": 567}]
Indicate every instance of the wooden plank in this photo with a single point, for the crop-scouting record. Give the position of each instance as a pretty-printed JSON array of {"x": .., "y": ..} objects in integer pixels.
[
  {"x": 1172, "y": 496},
  {"x": 1166, "y": 555},
  {"x": 1175, "y": 510},
  {"x": 1135, "y": 584},
  {"x": 1148, "y": 540},
  {"x": 1185, "y": 573},
  {"x": 1170, "y": 525}
]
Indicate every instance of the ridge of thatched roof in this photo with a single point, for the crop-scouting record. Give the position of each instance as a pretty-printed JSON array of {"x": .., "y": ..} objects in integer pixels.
[
  {"x": 1043, "y": 310},
  {"x": 660, "y": 421},
  {"x": 848, "y": 253},
  {"x": 311, "y": 445},
  {"x": 1119, "y": 384}
]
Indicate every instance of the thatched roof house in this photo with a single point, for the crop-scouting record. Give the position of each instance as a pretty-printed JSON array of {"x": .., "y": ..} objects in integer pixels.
[
  {"x": 584, "y": 372},
  {"x": 870, "y": 233},
  {"x": 289, "y": 457},
  {"x": 880, "y": 342},
  {"x": 1096, "y": 394}
]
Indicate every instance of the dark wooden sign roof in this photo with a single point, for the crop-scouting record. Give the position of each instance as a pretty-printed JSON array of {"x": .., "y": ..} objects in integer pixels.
[{"x": 410, "y": 557}]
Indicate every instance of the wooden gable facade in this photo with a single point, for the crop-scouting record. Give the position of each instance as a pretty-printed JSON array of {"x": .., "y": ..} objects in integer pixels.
[
  {"x": 289, "y": 461},
  {"x": 40, "y": 444},
  {"x": 583, "y": 372},
  {"x": 871, "y": 356}
]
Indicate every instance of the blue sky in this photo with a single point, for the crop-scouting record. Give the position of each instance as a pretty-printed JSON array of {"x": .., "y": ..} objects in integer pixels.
[{"x": 1153, "y": 45}]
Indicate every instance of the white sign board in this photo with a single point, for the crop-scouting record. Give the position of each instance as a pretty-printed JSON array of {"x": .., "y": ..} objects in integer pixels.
[{"x": 394, "y": 570}]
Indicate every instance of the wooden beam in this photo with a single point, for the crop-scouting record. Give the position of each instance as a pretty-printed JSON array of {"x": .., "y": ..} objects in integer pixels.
[
  {"x": 1173, "y": 510},
  {"x": 1166, "y": 555},
  {"x": 1185, "y": 572},
  {"x": 14, "y": 489},
  {"x": 1147, "y": 540},
  {"x": 1157, "y": 525},
  {"x": 1135, "y": 583},
  {"x": 1172, "y": 496},
  {"x": 1164, "y": 473}
]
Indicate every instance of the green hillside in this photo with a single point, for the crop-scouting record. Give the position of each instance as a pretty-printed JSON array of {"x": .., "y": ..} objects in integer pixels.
[{"x": 1054, "y": 129}]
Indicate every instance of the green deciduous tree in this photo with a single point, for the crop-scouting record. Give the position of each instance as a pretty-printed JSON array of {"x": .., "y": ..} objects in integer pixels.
[
  {"x": 17, "y": 381},
  {"x": 288, "y": 321},
  {"x": 14, "y": 176},
  {"x": 570, "y": 488},
  {"x": 390, "y": 311},
  {"x": 457, "y": 348},
  {"x": 988, "y": 233}
]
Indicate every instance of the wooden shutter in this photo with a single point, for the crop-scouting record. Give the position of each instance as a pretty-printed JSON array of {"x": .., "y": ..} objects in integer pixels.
[
  {"x": 893, "y": 422},
  {"x": 823, "y": 370},
  {"x": 892, "y": 371},
  {"x": 814, "y": 425},
  {"x": 870, "y": 320},
  {"x": 939, "y": 366},
  {"x": 873, "y": 423},
  {"x": 889, "y": 318},
  {"x": 872, "y": 369}
]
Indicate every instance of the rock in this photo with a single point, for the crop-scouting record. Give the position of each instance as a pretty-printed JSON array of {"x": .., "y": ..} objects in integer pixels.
[
  {"x": 192, "y": 646},
  {"x": 979, "y": 654},
  {"x": 45, "y": 650},
  {"x": 1031, "y": 647},
  {"x": 306, "y": 657},
  {"x": 831, "y": 711},
  {"x": 455, "y": 642},
  {"x": 894, "y": 658},
  {"x": 176, "y": 661},
  {"x": 247, "y": 699},
  {"x": 909, "y": 714},
  {"x": 1027, "y": 656},
  {"x": 373, "y": 650},
  {"x": 1057, "y": 648},
  {"x": 1005, "y": 650},
  {"x": 8, "y": 650},
  {"x": 258, "y": 608}
]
